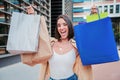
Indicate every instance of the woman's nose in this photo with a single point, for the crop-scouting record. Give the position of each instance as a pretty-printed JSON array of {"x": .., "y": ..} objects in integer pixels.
[{"x": 61, "y": 27}]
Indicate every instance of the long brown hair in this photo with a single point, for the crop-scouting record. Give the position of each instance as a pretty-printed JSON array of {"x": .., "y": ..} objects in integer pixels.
[{"x": 70, "y": 27}]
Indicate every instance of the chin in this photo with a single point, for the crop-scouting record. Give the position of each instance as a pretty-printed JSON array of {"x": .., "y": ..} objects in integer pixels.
[{"x": 63, "y": 38}]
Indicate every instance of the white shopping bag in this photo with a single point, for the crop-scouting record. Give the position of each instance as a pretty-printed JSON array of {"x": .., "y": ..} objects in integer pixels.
[{"x": 23, "y": 33}]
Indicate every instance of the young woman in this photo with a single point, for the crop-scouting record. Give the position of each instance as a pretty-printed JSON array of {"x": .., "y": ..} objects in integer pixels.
[
  {"x": 64, "y": 54},
  {"x": 65, "y": 63}
]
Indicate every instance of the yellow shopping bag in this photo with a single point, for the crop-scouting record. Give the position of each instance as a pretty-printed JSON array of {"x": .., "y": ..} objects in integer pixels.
[{"x": 95, "y": 17}]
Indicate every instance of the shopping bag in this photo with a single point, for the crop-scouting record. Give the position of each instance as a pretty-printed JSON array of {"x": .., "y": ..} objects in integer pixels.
[
  {"x": 44, "y": 47},
  {"x": 98, "y": 16},
  {"x": 95, "y": 42},
  {"x": 23, "y": 33}
]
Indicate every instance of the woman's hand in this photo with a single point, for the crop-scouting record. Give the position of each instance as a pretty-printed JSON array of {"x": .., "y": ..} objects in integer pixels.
[{"x": 30, "y": 10}]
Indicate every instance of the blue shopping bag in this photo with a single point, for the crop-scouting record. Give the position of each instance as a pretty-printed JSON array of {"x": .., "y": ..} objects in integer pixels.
[{"x": 95, "y": 42}]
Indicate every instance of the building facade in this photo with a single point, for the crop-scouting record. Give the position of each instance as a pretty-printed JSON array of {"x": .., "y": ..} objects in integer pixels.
[
  {"x": 81, "y": 8},
  {"x": 43, "y": 7}
]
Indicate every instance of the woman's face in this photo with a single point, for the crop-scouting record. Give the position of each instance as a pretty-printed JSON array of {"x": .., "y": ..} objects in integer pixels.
[{"x": 62, "y": 28}]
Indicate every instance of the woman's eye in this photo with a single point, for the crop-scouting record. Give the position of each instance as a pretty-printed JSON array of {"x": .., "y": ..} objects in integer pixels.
[
  {"x": 65, "y": 24},
  {"x": 58, "y": 25}
]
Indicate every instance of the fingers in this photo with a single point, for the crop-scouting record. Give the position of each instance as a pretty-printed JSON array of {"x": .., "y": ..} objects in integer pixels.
[{"x": 30, "y": 10}]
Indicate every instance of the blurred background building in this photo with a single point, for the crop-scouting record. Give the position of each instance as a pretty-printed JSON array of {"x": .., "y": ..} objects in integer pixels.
[
  {"x": 43, "y": 7},
  {"x": 81, "y": 8}
]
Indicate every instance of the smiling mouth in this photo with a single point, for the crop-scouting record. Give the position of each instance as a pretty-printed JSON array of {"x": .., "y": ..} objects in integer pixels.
[{"x": 63, "y": 32}]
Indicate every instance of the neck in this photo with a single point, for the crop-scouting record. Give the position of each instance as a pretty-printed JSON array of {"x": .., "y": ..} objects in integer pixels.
[{"x": 64, "y": 40}]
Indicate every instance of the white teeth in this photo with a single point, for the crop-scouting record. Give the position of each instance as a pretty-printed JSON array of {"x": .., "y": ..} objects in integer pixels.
[{"x": 63, "y": 32}]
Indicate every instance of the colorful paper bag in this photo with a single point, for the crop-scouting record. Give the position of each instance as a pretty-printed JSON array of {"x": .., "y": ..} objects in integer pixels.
[
  {"x": 23, "y": 33},
  {"x": 95, "y": 42},
  {"x": 94, "y": 17}
]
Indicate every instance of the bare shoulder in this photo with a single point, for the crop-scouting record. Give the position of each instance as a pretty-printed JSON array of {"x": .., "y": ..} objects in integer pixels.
[
  {"x": 55, "y": 44},
  {"x": 76, "y": 51},
  {"x": 52, "y": 41},
  {"x": 73, "y": 42}
]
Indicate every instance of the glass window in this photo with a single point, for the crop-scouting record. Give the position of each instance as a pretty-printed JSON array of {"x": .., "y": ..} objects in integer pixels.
[
  {"x": 78, "y": 19},
  {"x": 78, "y": 0},
  {"x": 105, "y": 8},
  {"x": 2, "y": 20},
  {"x": 78, "y": 10},
  {"x": 111, "y": 8},
  {"x": 117, "y": 8},
  {"x": 3, "y": 40},
  {"x": 15, "y": 1},
  {"x": 1, "y": 3},
  {"x": 100, "y": 9},
  {"x": 3, "y": 29}
]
